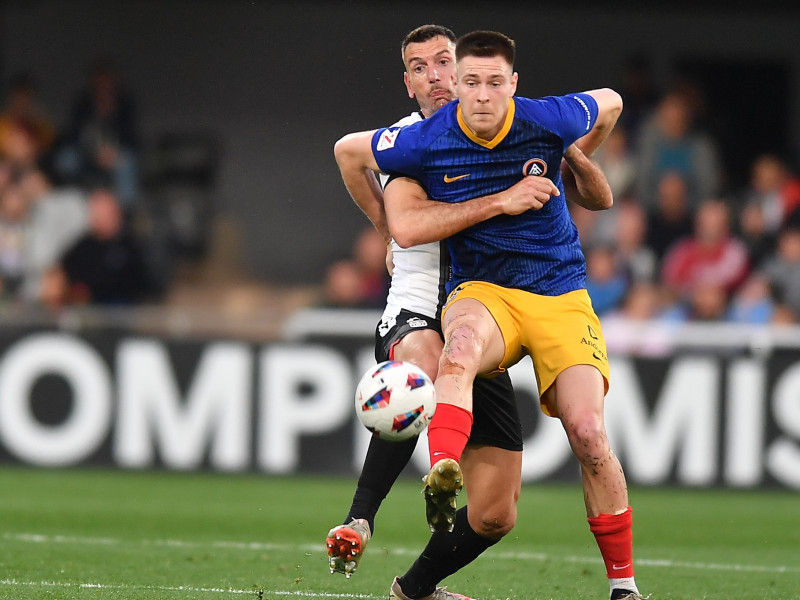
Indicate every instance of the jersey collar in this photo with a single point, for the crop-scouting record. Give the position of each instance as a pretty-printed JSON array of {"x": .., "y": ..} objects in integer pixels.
[{"x": 500, "y": 134}]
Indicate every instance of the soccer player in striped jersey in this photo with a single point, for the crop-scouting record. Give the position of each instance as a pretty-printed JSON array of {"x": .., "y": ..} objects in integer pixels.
[{"x": 518, "y": 284}]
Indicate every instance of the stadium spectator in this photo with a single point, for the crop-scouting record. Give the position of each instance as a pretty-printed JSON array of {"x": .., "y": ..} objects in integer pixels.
[
  {"x": 101, "y": 142},
  {"x": 19, "y": 146},
  {"x": 37, "y": 224},
  {"x": 606, "y": 283},
  {"x": 369, "y": 255},
  {"x": 343, "y": 286},
  {"x": 774, "y": 191},
  {"x": 670, "y": 219},
  {"x": 13, "y": 217},
  {"x": 669, "y": 142},
  {"x": 642, "y": 325},
  {"x": 636, "y": 259},
  {"x": 22, "y": 107},
  {"x": 106, "y": 265},
  {"x": 710, "y": 256},
  {"x": 754, "y": 233},
  {"x": 56, "y": 218},
  {"x": 784, "y": 315},
  {"x": 361, "y": 280},
  {"x": 752, "y": 304},
  {"x": 783, "y": 269},
  {"x": 708, "y": 301}
]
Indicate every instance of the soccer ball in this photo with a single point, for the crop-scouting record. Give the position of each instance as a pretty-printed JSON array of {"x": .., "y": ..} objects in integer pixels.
[{"x": 395, "y": 400}]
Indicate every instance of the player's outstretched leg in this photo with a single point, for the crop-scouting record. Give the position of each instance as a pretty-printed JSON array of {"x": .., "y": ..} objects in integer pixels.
[
  {"x": 441, "y": 593},
  {"x": 382, "y": 466},
  {"x": 346, "y": 545},
  {"x": 442, "y": 485}
]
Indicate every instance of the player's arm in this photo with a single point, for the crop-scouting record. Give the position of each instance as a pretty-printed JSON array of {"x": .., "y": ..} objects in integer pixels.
[
  {"x": 357, "y": 165},
  {"x": 609, "y": 108},
  {"x": 415, "y": 219},
  {"x": 584, "y": 182}
]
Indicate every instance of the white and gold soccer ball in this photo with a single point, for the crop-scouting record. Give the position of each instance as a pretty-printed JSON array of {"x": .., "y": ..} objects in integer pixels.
[{"x": 395, "y": 400}]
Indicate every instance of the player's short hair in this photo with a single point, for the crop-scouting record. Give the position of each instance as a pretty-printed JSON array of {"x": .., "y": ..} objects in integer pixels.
[
  {"x": 423, "y": 33},
  {"x": 486, "y": 44}
]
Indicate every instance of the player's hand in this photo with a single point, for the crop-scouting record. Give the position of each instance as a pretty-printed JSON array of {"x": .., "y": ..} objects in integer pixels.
[{"x": 532, "y": 193}]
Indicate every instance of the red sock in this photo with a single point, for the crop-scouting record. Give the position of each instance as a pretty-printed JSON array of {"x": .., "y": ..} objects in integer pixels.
[
  {"x": 448, "y": 432},
  {"x": 614, "y": 535}
]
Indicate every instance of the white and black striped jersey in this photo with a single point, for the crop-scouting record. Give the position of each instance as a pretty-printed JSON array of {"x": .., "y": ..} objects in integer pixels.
[{"x": 420, "y": 271}]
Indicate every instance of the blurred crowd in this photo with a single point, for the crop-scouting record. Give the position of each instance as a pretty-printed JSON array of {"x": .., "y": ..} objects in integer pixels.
[
  {"x": 684, "y": 241},
  {"x": 68, "y": 197},
  {"x": 82, "y": 221}
]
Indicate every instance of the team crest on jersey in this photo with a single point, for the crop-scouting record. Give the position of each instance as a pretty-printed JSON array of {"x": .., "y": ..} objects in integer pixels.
[
  {"x": 387, "y": 139},
  {"x": 535, "y": 166}
]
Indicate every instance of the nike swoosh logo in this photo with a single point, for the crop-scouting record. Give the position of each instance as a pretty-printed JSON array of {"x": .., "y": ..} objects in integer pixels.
[
  {"x": 456, "y": 178},
  {"x": 616, "y": 568}
]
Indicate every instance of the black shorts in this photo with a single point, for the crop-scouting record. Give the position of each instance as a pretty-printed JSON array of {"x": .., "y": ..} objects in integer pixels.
[{"x": 495, "y": 414}]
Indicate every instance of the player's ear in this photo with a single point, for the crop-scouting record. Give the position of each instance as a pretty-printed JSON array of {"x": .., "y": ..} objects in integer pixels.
[
  {"x": 514, "y": 79},
  {"x": 407, "y": 81}
]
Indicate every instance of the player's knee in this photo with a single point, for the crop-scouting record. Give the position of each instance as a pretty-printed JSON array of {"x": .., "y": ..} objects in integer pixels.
[
  {"x": 461, "y": 353},
  {"x": 493, "y": 523},
  {"x": 586, "y": 433}
]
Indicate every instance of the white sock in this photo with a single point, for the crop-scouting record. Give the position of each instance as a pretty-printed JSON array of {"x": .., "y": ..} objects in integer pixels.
[{"x": 624, "y": 583}]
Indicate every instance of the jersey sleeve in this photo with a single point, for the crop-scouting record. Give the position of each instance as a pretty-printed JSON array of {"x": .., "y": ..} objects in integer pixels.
[
  {"x": 570, "y": 117},
  {"x": 396, "y": 150}
]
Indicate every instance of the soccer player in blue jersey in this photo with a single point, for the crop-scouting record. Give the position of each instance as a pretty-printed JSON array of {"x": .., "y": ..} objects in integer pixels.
[
  {"x": 410, "y": 330},
  {"x": 518, "y": 284}
]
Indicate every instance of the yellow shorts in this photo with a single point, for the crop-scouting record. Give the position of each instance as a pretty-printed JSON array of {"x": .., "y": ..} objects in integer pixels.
[{"x": 556, "y": 331}]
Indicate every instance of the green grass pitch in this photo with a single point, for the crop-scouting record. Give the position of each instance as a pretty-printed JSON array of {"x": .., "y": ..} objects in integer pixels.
[{"x": 155, "y": 535}]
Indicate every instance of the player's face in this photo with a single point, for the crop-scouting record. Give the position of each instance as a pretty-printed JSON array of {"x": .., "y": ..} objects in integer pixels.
[
  {"x": 431, "y": 73},
  {"x": 485, "y": 86}
]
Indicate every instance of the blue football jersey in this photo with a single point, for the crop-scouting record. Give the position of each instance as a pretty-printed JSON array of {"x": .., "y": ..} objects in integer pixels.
[{"x": 537, "y": 251}]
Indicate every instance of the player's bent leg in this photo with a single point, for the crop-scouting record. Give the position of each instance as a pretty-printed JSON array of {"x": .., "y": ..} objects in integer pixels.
[
  {"x": 473, "y": 344},
  {"x": 469, "y": 331},
  {"x": 493, "y": 478},
  {"x": 445, "y": 554}
]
